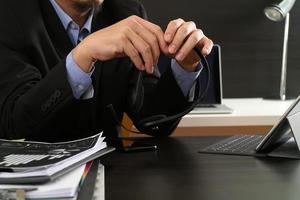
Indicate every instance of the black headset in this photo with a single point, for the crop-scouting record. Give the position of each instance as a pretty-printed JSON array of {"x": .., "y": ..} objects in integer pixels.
[{"x": 152, "y": 122}]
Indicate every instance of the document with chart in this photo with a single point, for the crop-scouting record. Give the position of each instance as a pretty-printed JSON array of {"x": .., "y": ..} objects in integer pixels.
[{"x": 27, "y": 162}]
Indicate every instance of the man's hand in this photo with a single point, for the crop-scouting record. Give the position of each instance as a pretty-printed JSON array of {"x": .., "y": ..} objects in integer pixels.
[
  {"x": 182, "y": 37},
  {"x": 134, "y": 37},
  {"x": 143, "y": 42}
]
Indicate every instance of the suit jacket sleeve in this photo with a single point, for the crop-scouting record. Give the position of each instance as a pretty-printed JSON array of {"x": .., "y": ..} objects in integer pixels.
[{"x": 27, "y": 98}]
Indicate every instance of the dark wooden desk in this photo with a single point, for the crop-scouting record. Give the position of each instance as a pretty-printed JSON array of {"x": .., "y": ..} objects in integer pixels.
[{"x": 177, "y": 171}]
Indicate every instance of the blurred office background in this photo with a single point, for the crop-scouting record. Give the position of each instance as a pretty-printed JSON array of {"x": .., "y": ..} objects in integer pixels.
[{"x": 251, "y": 43}]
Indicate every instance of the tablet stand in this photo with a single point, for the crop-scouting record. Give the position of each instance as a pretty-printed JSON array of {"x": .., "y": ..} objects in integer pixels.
[{"x": 294, "y": 122}]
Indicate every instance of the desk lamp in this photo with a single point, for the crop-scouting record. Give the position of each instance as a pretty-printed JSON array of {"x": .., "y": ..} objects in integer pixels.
[{"x": 277, "y": 12}]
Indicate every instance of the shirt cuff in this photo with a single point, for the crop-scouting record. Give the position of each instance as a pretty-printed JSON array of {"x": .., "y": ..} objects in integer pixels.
[
  {"x": 79, "y": 80},
  {"x": 184, "y": 78}
]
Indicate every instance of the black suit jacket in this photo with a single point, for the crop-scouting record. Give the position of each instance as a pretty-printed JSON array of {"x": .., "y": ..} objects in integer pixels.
[{"x": 36, "y": 101}]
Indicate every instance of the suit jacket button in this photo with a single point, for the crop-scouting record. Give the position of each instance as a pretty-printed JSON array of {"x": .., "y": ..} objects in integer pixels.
[
  {"x": 48, "y": 103},
  {"x": 57, "y": 93}
]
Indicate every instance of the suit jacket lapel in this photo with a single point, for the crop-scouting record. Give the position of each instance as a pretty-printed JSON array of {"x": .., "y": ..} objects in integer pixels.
[
  {"x": 60, "y": 37},
  {"x": 56, "y": 29},
  {"x": 101, "y": 19}
]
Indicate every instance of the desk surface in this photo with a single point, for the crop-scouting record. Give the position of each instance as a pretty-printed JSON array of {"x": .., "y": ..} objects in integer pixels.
[
  {"x": 247, "y": 112},
  {"x": 177, "y": 171}
]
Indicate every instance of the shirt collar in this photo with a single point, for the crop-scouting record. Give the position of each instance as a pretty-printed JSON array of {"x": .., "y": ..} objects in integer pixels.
[{"x": 67, "y": 20}]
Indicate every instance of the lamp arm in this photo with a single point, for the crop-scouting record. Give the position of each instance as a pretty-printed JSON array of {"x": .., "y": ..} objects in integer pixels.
[{"x": 284, "y": 58}]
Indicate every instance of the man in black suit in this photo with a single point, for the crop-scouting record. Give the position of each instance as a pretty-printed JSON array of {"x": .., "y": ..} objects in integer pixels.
[{"x": 63, "y": 62}]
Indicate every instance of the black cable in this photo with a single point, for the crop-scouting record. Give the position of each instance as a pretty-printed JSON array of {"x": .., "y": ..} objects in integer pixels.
[{"x": 207, "y": 67}]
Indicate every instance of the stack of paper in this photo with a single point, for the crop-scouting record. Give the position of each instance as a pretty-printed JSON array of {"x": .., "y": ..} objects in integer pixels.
[
  {"x": 35, "y": 162},
  {"x": 65, "y": 186}
]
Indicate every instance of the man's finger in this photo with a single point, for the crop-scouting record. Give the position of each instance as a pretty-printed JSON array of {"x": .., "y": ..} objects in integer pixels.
[
  {"x": 134, "y": 55},
  {"x": 172, "y": 29},
  {"x": 150, "y": 38},
  {"x": 143, "y": 48},
  {"x": 205, "y": 44},
  {"x": 189, "y": 45},
  {"x": 157, "y": 31},
  {"x": 181, "y": 35}
]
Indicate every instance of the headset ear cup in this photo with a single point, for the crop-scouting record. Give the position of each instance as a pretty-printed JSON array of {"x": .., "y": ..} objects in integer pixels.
[
  {"x": 136, "y": 100},
  {"x": 135, "y": 96}
]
